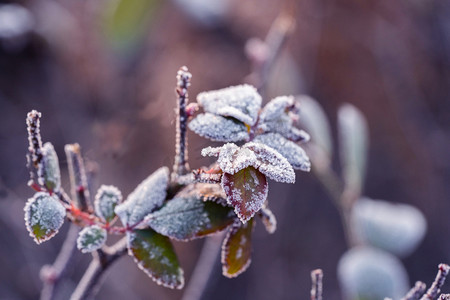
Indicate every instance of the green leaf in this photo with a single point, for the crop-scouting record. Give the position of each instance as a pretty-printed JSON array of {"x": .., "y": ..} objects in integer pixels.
[
  {"x": 187, "y": 217},
  {"x": 91, "y": 238},
  {"x": 154, "y": 254},
  {"x": 51, "y": 175},
  {"x": 44, "y": 215},
  {"x": 246, "y": 191},
  {"x": 237, "y": 249},
  {"x": 106, "y": 200}
]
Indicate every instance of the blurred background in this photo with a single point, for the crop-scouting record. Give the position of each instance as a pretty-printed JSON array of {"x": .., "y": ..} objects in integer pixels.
[{"x": 103, "y": 74}]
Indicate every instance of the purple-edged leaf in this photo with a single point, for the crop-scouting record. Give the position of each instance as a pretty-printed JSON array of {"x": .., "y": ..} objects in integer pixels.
[
  {"x": 237, "y": 249},
  {"x": 154, "y": 254},
  {"x": 246, "y": 191},
  {"x": 44, "y": 215},
  {"x": 268, "y": 219},
  {"x": 187, "y": 217},
  {"x": 106, "y": 200},
  {"x": 218, "y": 128},
  {"x": 91, "y": 238}
]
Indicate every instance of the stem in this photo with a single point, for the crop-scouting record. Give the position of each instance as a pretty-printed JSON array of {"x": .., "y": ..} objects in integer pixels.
[
  {"x": 101, "y": 261},
  {"x": 435, "y": 288},
  {"x": 317, "y": 283},
  {"x": 52, "y": 275},
  {"x": 416, "y": 291},
  {"x": 77, "y": 174}
]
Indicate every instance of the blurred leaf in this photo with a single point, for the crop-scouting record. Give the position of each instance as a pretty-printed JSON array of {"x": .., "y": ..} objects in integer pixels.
[
  {"x": 246, "y": 191},
  {"x": 353, "y": 143},
  {"x": 154, "y": 254},
  {"x": 237, "y": 249},
  {"x": 51, "y": 175},
  {"x": 147, "y": 196},
  {"x": 268, "y": 219},
  {"x": 187, "y": 217},
  {"x": 106, "y": 200},
  {"x": 44, "y": 215},
  {"x": 219, "y": 129},
  {"x": 91, "y": 238}
]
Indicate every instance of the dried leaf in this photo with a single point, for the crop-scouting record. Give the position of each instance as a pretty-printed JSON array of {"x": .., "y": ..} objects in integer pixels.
[
  {"x": 294, "y": 154},
  {"x": 268, "y": 219},
  {"x": 237, "y": 249},
  {"x": 154, "y": 254},
  {"x": 106, "y": 199},
  {"x": 241, "y": 102},
  {"x": 44, "y": 215},
  {"x": 246, "y": 191},
  {"x": 91, "y": 238},
  {"x": 51, "y": 175},
  {"x": 219, "y": 129},
  {"x": 187, "y": 217},
  {"x": 147, "y": 196}
]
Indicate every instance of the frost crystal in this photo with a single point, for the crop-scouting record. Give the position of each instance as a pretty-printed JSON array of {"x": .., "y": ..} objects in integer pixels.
[
  {"x": 147, "y": 196},
  {"x": 91, "y": 238},
  {"x": 106, "y": 199},
  {"x": 241, "y": 102},
  {"x": 276, "y": 108},
  {"x": 50, "y": 174},
  {"x": 219, "y": 129},
  {"x": 44, "y": 215},
  {"x": 294, "y": 154}
]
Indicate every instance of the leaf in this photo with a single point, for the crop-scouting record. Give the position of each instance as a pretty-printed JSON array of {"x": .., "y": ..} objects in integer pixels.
[
  {"x": 44, "y": 215},
  {"x": 187, "y": 217},
  {"x": 212, "y": 192},
  {"x": 91, "y": 238},
  {"x": 246, "y": 191},
  {"x": 237, "y": 249},
  {"x": 154, "y": 254},
  {"x": 51, "y": 175},
  {"x": 268, "y": 219},
  {"x": 294, "y": 154},
  {"x": 241, "y": 102},
  {"x": 231, "y": 158},
  {"x": 219, "y": 129},
  {"x": 147, "y": 196},
  {"x": 106, "y": 199},
  {"x": 277, "y": 108},
  {"x": 353, "y": 142}
]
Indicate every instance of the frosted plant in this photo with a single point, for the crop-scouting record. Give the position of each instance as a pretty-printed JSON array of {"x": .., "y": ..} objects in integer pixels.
[
  {"x": 91, "y": 238},
  {"x": 106, "y": 200}
]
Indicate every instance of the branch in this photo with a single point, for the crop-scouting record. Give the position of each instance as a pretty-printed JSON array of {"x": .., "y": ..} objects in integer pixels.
[
  {"x": 435, "y": 288},
  {"x": 78, "y": 179},
  {"x": 316, "y": 289},
  {"x": 416, "y": 291},
  {"x": 101, "y": 261},
  {"x": 34, "y": 155}
]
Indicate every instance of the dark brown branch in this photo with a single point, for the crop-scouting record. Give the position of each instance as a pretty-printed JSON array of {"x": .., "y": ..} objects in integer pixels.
[
  {"x": 435, "y": 288},
  {"x": 317, "y": 282},
  {"x": 78, "y": 179},
  {"x": 416, "y": 292}
]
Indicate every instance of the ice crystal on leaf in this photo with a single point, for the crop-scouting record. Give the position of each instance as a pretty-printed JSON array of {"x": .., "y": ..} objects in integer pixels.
[
  {"x": 268, "y": 219},
  {"x": 91, "y": 238},
  {"x": 44, "y": 215},
  {"x": 187, "y": 217},
  {"x": 147, "y": 196},
  {"x": 294, "y": 154},
  {"x": 154, "y": 254},
  {"x": 276, "y": 108},
  {"x": 106, "y": 199},
  {"x": 241, "y": 102},
  {"x": 218, "y": 128},
  {"x": 51, "y": 176},
  {"x": 237, "y": 249}
]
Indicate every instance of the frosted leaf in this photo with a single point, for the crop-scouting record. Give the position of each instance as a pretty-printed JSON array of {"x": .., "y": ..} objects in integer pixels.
[
  {"x": 271, "y": 163},
  {"x": 44, "y": 215},
  {"x": 187, "y": 217},
  {"x": 219, "y": 129},
  {"x": 91, "y": 238},
  {"x": 231, "y": 158},
  {"x": 50, "y": 173},
  {"x": 353, "y": 143},
  {"x": 276, "y": 108},
  {"x": 154, "y": 254},
  {"x": 246, "y": 191},
  {"x": 106, "y": 199},
  {"x": 237, "y": 249},
  {"x": 241, "y": 102},
  {"x": 147, "y": 196},
  {"x": 212, "y": 192},
  {"x": 397, "y": 228},
  {"x": 268, "y": 219},
  {"x": 294, "y": 154},
  {"x": 370, "y": 273}
]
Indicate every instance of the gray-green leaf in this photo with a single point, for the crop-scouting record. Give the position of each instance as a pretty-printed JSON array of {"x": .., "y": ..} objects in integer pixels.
[
  {"x": 51, "y": 175},
  {"x": 106, "y": 199},
  {"x": 91, "y": 238},
  {"x": 218, "y": 128}
]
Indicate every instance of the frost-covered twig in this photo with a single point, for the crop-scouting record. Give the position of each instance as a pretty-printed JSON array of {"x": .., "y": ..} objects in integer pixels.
[
  {"x": 316, "y": 289},
  {"x": 34, "y": 155},
  {"x": 101, "y": 261},
  {"x": 444, "y": 297},
  {"x": 77, "y": 174},
  {"x": 181, "y": 155},
  {"x": 416, "y": 292},
  {"x": 435, "y": 288}
]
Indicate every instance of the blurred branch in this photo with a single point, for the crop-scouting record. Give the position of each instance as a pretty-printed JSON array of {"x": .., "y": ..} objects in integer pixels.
[
  {"x": 416, "y": 291},
  {"x": 77, "y": 174},
  {"x": 317, "y": 283},
  {"x": 435, "y": 288}
]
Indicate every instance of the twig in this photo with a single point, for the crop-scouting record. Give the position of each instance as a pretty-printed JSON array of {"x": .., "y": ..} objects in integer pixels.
[
  {"x": 34, "y": 155},
  {"x": 435, "y": 288},
  {"x": 416, "y": 292},
  {"x": 78, "y": 179},
  {"x": 203, "y": 269},
  {"x": 317, "y": 282},
  {"x": 52, "y": 275},
  {"x": 101, "y": 261},
  {"x": 444, "y": 297},
  {"x": 181, "y": 166}
]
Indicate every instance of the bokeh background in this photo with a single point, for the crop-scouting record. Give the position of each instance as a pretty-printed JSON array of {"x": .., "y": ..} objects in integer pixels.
[{"x": 103, "y": 74}]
